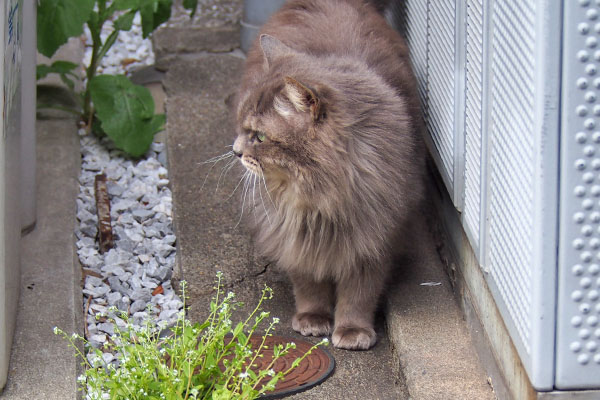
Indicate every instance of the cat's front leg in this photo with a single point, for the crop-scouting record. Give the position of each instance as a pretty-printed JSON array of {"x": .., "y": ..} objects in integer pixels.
[
  {"x": 357, "y": 298},
  {"x": 314, "y": 305}
]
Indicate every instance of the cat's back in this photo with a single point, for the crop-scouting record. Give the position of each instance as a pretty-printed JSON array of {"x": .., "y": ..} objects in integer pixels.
[{"x": 343, "y": 28}]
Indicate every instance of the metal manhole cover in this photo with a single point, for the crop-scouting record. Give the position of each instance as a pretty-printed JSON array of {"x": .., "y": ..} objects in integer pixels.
[{"x": 313, "y": 370}]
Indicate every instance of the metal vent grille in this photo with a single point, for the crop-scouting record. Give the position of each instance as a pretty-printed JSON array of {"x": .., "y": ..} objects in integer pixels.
[
  {"x": 416, "y": 35},
  {"x": 439, "y": 110},
  {"x": 578, "y": 334},
  {"x": 489, "y": 77},
  {"x": 512, "y": 159},
  {"x": 473, "y": 119}
]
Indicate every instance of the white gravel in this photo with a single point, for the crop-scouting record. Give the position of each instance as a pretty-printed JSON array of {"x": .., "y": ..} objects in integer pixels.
[
  {"x": 128, "y": 275},
  {"x": 130, "y": 51},
  {"x": 134, "y": 276}
]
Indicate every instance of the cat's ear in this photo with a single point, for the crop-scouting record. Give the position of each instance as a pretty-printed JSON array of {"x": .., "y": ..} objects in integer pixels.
[
  {"x": 272, "y": 48},
  {"x": 302, "y": 97}
]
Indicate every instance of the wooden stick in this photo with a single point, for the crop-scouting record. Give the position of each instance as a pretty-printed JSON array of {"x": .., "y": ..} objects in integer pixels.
[{"x": 105, "y": 236}]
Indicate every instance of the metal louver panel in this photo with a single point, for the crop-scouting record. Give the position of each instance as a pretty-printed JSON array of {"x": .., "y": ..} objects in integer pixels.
[
  {"x": 440, "y": 105},
  {"x": 430, "y": 27},
  {"x": 489, "y": 76},
  {"x": 522, "y": 189},
  {"x": 511, "y": 159},
  {"x": 473, "y": 122},
  {"x": 415, "y": 20}
]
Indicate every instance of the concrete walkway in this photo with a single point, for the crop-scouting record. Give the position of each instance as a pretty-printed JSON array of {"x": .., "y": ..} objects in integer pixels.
[{"x": 425, "y": 350}]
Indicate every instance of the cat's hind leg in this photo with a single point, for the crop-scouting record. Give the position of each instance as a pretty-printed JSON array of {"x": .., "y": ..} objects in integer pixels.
[
  {"x": 357, "y": 298},
  {"x": 314, "y": 305}
]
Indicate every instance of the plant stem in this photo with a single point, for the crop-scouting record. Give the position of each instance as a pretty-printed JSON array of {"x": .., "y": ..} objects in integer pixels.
[{"x": 95, "y": 29}]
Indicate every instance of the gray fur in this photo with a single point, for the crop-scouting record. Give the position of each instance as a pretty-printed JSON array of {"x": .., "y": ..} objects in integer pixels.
[{"x": 329, "y": 88}]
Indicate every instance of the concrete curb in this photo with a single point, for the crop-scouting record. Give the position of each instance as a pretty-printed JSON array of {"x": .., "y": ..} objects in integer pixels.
[{"x": 42, "y": 364}]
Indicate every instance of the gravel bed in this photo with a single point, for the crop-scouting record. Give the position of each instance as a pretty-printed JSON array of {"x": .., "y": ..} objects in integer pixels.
[
  {"x": 135, "y": 275},
  {"x": 130, "y": 51}
]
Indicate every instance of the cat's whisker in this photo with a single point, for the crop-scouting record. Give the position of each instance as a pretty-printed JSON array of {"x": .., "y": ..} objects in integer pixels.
[
  {"x": 263, "y": 201},
  {"x": 218, "y": 158},
  {"x": 267, "y": 190},
  {"x": 215, "y": 161},
  {"x": 244, "y": 195},
  {"x": 238, "y": 185},
  {"x": 224, "y": 172},
  {"x": 254, "y": 176}
]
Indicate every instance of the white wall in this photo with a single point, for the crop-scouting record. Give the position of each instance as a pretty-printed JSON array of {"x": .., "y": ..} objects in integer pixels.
[{"x": 10, "y": 146}]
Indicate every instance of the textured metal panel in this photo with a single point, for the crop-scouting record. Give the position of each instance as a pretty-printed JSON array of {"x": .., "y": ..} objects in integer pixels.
[
  {"x": 489, "y": 77},
  {"x": 415, "y": 20},
  {"x": 473, "y": 121},
  {"x": 429, "y": 27},
  {"x": 440, "y": 106},
  {"x": 522, "y": 157},
  {"x": 578, "y": 327},
  {"x": 511, "y": 160}
]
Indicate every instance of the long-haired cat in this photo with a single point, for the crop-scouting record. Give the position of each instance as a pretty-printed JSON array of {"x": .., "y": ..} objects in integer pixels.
[{"x": 328, "y": 124}]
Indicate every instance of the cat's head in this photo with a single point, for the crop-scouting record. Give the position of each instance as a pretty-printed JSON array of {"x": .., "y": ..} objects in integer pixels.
[{"x": 282, "y": 118}]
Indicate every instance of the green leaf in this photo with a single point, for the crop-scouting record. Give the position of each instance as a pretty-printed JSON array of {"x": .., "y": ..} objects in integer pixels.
[
  {"x": 125, "y": 21},
  {"x": 70, "y": 84},
  {"x": 191, "y": 5},
  {"x": 93, "y": 22},
  {"x": 57, "y": 67},
  {"x": 110, "y": 40},
  {"x": 58, "y": 20},
  {"x": 126, "y": 4},
  {"x": 154, "y": 13},
  {"x": 126, "y": 112},
  {"x": 238, "y": 329}
]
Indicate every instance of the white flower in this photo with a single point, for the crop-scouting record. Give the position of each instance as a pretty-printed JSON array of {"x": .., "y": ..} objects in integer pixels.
[
  {"x": 271, "y": 372},
  {"x": 55, "y": 329},
  {"x": 275, "y": 320},
  {"x": 325, "y": 340},
  {"x": 243, "y": 375}
]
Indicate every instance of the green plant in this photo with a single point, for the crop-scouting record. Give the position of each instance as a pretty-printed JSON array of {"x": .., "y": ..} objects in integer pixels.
[
  {"x": 211, "y": 360},
  {"x": 109, "y": 104}
]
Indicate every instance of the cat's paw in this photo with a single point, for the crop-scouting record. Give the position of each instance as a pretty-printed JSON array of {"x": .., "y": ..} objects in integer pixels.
[
  {"x": 354, "y": 338},
  {"x": 312, "y": 324}
]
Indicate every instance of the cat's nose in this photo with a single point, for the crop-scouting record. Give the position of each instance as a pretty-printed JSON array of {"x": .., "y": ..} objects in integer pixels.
[{"x": 238, "y": 146}]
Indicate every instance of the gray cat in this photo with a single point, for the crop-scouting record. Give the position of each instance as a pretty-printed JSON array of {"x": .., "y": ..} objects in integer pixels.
[{"x": 329, "y": 125}]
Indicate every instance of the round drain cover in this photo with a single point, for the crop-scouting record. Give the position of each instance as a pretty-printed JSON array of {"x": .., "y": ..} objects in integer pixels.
[{"x": 313, "y": 370}]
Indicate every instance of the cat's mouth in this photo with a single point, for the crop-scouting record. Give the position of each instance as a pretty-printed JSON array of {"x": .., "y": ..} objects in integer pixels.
[{"x": 251, "y": 165}]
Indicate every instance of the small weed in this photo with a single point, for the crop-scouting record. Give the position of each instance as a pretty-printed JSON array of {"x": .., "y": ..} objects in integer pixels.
[{"x": 211, "y": 360}]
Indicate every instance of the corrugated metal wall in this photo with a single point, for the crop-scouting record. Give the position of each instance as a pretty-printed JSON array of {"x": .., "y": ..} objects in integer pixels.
[{"x": 492, "y": 121}]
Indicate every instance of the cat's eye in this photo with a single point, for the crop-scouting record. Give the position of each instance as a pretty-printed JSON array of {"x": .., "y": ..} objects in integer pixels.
[{"x": 261, "y": 136}]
